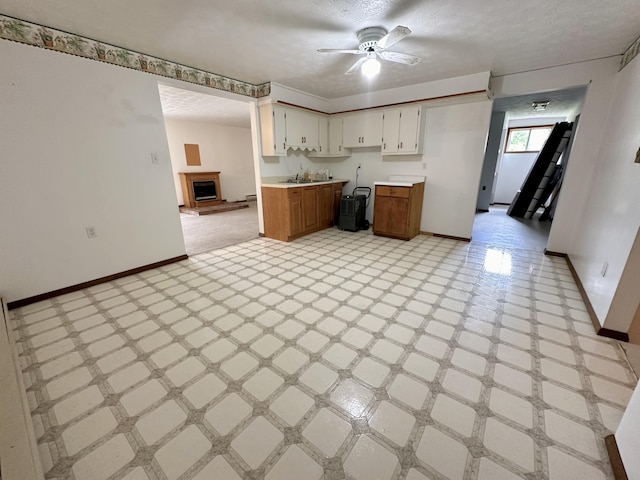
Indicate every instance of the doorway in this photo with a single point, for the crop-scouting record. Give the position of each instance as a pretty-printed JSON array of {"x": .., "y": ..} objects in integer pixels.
[
  {"x": 516, "y": 136},
  {"x": 211, "y": 134}
]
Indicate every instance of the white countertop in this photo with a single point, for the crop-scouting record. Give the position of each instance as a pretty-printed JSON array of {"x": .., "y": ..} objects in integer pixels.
[
  {"x": 401, "y": 181},
  {"x": 278, "y": 184}
]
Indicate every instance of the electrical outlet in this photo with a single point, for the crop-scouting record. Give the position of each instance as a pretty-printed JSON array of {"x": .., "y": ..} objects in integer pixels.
[
  {"x": 91, "y": 232},
  {"x": 603, "y": 272},
  {"x": 154, "y": 159}
]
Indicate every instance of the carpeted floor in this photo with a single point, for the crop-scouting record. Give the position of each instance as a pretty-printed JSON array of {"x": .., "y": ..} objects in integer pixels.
[{"x": 211, "y": 232}]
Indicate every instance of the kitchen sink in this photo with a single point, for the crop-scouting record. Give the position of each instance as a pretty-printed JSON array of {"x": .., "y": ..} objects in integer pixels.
[{"x": 291, "y": 180}]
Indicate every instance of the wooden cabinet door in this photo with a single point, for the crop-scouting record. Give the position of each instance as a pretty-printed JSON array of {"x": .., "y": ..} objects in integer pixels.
[
  {"x": 337, "y": 196},
  {"x": 309, "y": 208},
  {"x": 391, "y": 211},
  {"x": 390, "y": 131},
  {"x": 325, "y": 199},
  {"x": 296, "y": 224}
]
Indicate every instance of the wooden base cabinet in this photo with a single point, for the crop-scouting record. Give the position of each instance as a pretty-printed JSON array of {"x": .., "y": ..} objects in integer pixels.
[
  {"x": 293, "y": 212},
  {"x": 397, "y": 211}
]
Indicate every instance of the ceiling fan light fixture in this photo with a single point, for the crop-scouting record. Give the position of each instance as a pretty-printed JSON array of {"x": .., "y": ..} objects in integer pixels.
[{"x": 371, "y": 68}]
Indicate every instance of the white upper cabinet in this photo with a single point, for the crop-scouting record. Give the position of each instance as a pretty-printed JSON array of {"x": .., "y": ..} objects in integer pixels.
[
  {"x": 362, "y": 129},
  {"x": 302, "y": 129},
  {"x": 335, "y": 136},
  {"x": 323, "y": 135},
  {"x": 403, "y": 131},
  {"x": 273, "y": 130}
]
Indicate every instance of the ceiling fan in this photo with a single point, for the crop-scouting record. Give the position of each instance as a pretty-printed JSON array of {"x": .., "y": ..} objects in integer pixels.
[{"x": 373, "y": 43}]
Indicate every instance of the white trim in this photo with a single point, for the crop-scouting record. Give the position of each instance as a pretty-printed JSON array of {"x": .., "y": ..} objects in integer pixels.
[{"x": 19, "y": 456}]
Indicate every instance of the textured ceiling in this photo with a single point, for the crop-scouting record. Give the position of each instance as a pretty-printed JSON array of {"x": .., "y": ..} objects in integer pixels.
[
  {"x": 188, "y": 105},
  {"x": 276, "y": 40},
  {"x": 561, "y": 102}
]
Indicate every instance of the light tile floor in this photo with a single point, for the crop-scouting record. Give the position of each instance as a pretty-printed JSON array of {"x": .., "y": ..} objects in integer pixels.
[
  {"x": 498, "y": 228},
  {"x": 340, "y": 355}
]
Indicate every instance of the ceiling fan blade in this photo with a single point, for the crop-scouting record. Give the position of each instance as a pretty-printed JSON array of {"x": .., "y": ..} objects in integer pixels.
[
  {"x": 338, "y": 50},
  {"x": 356, "y": 66},
  {"x": 393, "y": 37},
  {"x": 399, "y": 58}
]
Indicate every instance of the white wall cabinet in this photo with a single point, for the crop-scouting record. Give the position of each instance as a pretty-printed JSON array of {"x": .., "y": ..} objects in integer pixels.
[
  {"x": 335, "y": 137},
  {"x": 273, "y": 130},
  {"x": 403, "y": 131},
  {"x": 362, "y": 130},
  {"x": 302, "y": 129},
  {"x": 330, "y": 139}
]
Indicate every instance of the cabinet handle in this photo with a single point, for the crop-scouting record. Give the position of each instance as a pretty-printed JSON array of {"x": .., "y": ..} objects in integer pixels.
[
  {"x": 339, "y": 148},
  {"x": 384, "y": 146},
  {"x": 320, "y": 147},
  {"x": 284, "y": 145},
  {"x": 400, "y": 144}
]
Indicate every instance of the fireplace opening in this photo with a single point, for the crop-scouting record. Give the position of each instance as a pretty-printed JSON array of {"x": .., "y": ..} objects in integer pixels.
[{"x": 204, "y": 190}]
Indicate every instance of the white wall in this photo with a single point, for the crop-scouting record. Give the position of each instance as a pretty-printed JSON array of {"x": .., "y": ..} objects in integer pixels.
[
  {"x": 628, "y": 436},
  {"x": 454, "y": 142},
  {"x": 513, "y": 167},
  {"x": 76, "y": 140},
  {"x": 222, "y": 148},
  {"x": 610, "y": 224}
]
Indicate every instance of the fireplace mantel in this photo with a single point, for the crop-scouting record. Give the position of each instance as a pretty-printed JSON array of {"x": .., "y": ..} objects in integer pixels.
[{"x": 188, "y": 195}]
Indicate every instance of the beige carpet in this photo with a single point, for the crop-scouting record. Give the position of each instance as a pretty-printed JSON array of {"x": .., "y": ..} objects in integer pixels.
[{"x": 211, "y": 232}]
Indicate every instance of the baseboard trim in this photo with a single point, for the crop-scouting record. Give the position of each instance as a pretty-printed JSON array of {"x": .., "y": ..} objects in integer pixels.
[
  {"x": 616, "y": 335},
  {"x": 619, "y": 472},
  {"x": 81, "y": 286},
  {"x": 554, "y": 254},
  {"x": 603, "y": 332},
  {"x": 451, "y": 237}
]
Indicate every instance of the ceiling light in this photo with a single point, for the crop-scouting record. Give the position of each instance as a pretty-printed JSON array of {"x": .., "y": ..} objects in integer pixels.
[
  {"x": 371, "y": 68},
  {"x": 539, "y": 106}
]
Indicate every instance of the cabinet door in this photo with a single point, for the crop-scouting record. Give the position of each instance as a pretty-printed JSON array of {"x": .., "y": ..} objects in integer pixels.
[
  {"x": 325, "y": 199},
  {"x": 391, "y": 211},
  {"x": 296, "y": 225},
  {"x": 390, "y": 131},
  {"x": 323, "y": 135},
  {"x": 302, "y": 129},
  {"x": 362, "y": 130},
  {"x": 335, "y": 136},
  {"x": 273, "y": 130},
  {"x": 408, "y": 129},
  {"x": 372, "y": 129},
  {"x": 351, "y": 132},
  {"x": 309, "y": 208},
  {"x": 337, "y": 196}
]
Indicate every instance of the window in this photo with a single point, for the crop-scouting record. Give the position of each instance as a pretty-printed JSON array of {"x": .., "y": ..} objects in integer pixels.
[{"x": 527, "y": 139}]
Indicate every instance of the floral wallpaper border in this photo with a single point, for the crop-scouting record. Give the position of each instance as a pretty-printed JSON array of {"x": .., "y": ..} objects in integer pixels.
[
  {"x": 630, "y": 54},
  {"x": 39, "y": 36}
]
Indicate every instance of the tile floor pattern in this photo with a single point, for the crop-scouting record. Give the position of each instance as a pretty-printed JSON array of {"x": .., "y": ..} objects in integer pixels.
[{"x": 340, "y": 355}]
